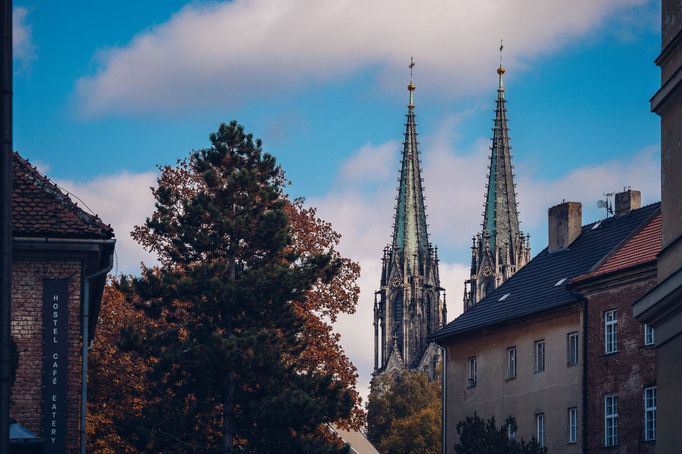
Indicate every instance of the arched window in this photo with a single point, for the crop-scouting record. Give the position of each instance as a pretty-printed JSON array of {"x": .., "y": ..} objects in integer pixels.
[
  {"x": 398, "y": 318},
  {"x": 429, "y": 310}
]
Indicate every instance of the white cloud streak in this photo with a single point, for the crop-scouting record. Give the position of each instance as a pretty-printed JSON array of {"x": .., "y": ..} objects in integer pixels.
[
  {"x": 227, "y": 51},
  {"x": 123, "y": 200},
  {"x": 23, "y": 49}
]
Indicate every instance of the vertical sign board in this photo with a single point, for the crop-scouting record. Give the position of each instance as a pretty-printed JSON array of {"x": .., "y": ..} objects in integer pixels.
[{"x": 55, "y": 362}]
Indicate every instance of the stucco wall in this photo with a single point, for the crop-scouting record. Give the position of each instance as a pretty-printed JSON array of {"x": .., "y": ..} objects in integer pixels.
[{"x": 551, "y": 392}]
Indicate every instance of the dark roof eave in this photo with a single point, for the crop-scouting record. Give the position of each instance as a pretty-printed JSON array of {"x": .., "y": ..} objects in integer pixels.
[{"x": 510, "y": 321}]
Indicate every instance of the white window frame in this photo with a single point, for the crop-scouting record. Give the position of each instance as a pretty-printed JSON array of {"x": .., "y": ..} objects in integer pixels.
[
  {"x": 471, "y": 371},
  {"x": 573, "y": 425},
  {"x": 540, "y": 429},
  {"x": 611, "y": 420},
  {"x": 650, "y": 413},
  {"x": 649, "y": 338},
  {"x": 511, "y": 363},
  {"x": 539, "y": 356},
  {"x": 610, "y": 331},
  {"x": 572, "y": 349},
  {"x": 511, "y": 433}
]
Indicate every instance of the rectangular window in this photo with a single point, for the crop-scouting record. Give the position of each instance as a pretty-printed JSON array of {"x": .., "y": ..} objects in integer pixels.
[
  {"x": 610, "y": 331},
  {"x": 471, "y": 372},
  {"x": 540, "y": 429},
  {"x": 511, "y": 362},
  {"x": 572, "y": 347},
  {"x": 611, "y": 420},
  {"x": 572, "y": 425},
  {"x": 511, "y": 431},
  {"x": 650, "y": 413},
  {"x": 648, "y": 335},
  {"x": 539, "y": 356}
]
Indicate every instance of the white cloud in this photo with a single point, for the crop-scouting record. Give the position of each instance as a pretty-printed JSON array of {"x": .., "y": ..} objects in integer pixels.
[
  {"x": 122, "y": 200},
  {"x": 22, "y": 43},
  {"x": 227, "y": 51}
]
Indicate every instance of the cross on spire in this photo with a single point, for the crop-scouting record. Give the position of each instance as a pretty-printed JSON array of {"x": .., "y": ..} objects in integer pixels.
[
  {"x": 411, "y": 66},
  {"x": 501, "y": 47}
]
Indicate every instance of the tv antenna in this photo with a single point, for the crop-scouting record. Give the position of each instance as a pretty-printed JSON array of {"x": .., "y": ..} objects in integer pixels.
[{"x": 606, "y": 203}]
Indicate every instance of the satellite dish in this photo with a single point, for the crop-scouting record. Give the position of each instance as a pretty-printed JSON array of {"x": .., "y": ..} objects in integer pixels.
[{"x": 601, "y": 204}]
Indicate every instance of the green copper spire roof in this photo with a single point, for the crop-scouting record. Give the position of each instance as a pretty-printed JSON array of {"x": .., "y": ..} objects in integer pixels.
[
  {"x": 501, "y": 218},
  {"x": 410, "y": 237}
]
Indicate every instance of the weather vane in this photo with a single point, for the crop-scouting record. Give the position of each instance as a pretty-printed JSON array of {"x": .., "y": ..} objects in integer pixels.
[{"x": 411, "y": 66}]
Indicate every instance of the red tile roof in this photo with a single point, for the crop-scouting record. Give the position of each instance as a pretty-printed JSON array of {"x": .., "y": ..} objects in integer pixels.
[
  {"x": 41, "y": 209},
  {"x": 640, "y": 248}
]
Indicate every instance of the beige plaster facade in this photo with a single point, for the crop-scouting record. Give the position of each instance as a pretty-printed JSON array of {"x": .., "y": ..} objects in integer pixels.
[{"x": 551, "y": 392}]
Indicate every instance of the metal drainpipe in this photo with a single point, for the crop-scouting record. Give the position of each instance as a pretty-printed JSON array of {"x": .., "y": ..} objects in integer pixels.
[
  {"x": 443, "y": 398},
  {"x": 85, "y": 324}
]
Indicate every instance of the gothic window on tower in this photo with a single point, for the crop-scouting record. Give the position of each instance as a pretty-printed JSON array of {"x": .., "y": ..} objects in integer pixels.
[
  {"x": 429, "y": 306},
  {"x": 398, "y": 319}
]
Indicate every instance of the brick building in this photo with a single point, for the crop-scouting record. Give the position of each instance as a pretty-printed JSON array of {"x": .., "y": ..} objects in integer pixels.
[
  {"x": 61, "y": 255},
  {"x": 620, "y": 359},
  {"x": 521, "y": 350}
]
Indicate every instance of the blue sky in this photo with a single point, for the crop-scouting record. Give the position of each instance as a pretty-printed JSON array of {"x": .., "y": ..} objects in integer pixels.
[{"x": 104, "y": 92}]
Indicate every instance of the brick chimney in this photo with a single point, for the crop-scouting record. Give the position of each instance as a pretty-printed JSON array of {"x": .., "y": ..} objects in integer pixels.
[
  {"x": 565, "y": 222},
  {"x": 627, "y": 201}
]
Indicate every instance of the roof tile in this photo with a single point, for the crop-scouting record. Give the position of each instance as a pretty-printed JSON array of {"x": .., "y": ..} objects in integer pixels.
[
  {"x": 533, "y": 288},
  {"x": 41, "y": 209}
]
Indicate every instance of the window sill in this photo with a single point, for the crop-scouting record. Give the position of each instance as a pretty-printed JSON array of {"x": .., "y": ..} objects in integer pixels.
[{"x": 510, "y": 379}]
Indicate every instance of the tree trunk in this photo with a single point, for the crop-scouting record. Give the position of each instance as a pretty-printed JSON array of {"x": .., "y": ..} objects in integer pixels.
[
  {"x": 228, "y": 393},
  {"x": 228, "y": 406}
]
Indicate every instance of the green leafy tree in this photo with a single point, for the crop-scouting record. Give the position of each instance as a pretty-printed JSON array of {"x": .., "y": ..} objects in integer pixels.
[
  {"x": 224, "y": 360},
  {"x": 404, "y": 414},
  {"x": 477, "y": 436}
]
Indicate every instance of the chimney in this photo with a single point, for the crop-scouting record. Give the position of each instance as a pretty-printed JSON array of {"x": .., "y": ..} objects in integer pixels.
[
  {"x": 627, "y": 201},
  {"x": 565, "y": 222}
]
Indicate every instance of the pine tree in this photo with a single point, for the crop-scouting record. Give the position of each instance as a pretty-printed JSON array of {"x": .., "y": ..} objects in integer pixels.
[{"x": 224, "y": 360}]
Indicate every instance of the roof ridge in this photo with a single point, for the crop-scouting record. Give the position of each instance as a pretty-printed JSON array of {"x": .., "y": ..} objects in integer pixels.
[{"x": 625, "y": 240}]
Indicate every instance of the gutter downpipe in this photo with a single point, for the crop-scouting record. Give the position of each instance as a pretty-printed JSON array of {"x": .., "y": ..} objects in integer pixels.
[
  {"x": 85, "y": 326},
  {"x": 443, "y": 398}
]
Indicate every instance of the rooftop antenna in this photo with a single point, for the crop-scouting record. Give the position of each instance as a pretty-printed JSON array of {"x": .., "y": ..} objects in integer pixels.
[{"x": 606, "y": 203}]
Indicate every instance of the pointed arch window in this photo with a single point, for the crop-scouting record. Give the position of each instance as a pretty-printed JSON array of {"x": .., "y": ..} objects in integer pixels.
[
  {"x": 429, "y": 310},
  {"x": 398, "y": 318}
]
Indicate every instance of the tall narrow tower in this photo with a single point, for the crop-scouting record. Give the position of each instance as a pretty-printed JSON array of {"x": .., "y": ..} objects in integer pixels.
[
  {"x": 408, "y": 307},
  {"x": 500, "y": 249}
]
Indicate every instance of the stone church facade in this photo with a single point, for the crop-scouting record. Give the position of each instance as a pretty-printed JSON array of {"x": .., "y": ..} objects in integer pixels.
[{"x": 410, "y": 304}]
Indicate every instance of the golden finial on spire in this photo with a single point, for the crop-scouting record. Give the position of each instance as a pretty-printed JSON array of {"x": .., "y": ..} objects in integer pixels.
[
  {"x": 501, "y": 70},
  {"x": 411, "y": 87}
]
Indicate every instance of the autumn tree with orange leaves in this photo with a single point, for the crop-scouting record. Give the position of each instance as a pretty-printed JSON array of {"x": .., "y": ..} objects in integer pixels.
[{"x": 320, "y": 353}]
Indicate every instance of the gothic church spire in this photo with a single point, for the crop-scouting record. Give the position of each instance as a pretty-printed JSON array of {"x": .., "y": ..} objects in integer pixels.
[
  {"x": 410, "y": 236},
  {"x": 500, "y": 249},
  {"x": 408, "y": 307}
]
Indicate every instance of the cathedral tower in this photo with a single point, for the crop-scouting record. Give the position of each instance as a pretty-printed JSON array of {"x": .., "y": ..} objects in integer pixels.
[
  {"x": 500, "y": 249},
  {"x": 409, "y": 306}
]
